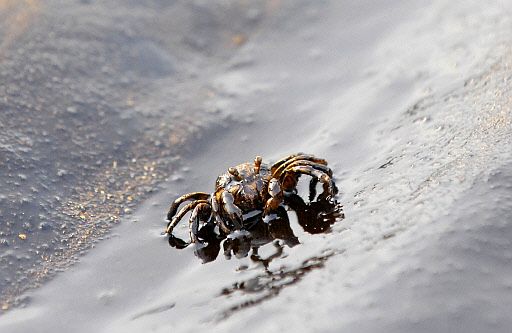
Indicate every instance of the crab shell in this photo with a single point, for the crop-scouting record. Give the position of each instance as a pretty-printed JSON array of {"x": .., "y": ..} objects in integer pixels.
[{"x": 243, "y": 188}]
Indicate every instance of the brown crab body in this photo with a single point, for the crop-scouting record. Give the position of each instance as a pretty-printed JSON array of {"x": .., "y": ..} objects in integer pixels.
[
  {"x": 245, "y": 185},
  {"x": 247, "y": 189}
]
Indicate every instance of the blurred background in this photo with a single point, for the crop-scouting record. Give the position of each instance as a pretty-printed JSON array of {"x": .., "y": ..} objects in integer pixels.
[{"x": 98, "y": 101}]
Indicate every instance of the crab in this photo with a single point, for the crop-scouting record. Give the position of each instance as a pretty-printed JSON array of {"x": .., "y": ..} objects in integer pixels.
[{"x": 247, "y": 190}]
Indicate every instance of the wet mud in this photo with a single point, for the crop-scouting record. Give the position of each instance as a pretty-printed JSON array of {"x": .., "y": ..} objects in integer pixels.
[
  {"x": 409, "y": 102},
  {"x": 81, "y": 138}
]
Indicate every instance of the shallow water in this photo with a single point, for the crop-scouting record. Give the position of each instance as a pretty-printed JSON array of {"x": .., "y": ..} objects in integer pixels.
[{"x": 410, "y": 105}]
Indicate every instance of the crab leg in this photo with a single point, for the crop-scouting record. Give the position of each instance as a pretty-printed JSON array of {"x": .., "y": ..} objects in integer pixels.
[
  {"x": 279, "y": 169},
  {"x": 200, "y": 211},
  {"x": 322, "y": 167},
  {"x": 289, "y": 181},
  {"x": 176, "y": 219},
  {"x": 312, "y": 188},
  {"x": 283, "y": 160},
  {"x": 328, "y": 184},
  {"x": 190, "y": 196}
]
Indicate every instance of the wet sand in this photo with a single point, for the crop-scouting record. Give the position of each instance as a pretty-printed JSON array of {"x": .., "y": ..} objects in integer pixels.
[
  {"x": 410, "y": 105},
  {"x": 98, "y": 104}
]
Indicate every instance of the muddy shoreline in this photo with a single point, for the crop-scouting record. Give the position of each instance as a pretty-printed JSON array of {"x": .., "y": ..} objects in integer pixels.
[
  {"x": 411, "y": 106},
  {"x": 83, "y": 141}
]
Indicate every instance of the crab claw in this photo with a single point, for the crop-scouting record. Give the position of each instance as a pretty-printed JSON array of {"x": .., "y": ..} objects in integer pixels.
[
  {"x": 276, "y": 197},
  {"x": 234, "y": 213},
  {"x": 218, "y": 220}
]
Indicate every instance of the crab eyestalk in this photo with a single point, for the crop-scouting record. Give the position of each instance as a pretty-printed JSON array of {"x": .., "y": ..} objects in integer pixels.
[
  {"x": 257, "y": 164},
  {"x": 234, "y": 172}
]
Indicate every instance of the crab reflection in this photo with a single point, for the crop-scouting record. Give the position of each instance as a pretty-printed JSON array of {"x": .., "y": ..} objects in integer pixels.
[{"x": 314, "y": 217}]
